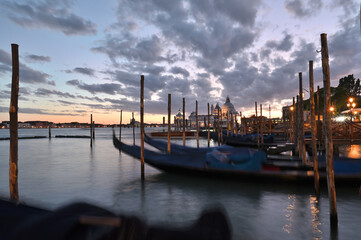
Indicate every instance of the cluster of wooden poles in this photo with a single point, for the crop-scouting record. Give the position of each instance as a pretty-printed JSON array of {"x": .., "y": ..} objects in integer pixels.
[
  {"x": 13, "y": 161},
  {"x": 298, "y": 136}
]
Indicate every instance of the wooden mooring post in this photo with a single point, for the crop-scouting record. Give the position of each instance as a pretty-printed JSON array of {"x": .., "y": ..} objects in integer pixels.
[
  {"x": 91, "y": 130},
  {"x": 227, "y": 123},
  {"x": 13, "y": 114},
  {"x": 256, "y": 124},
  {"x": 120, "y": 125},
  {"x": 49, "y": 131},
  {"x": 169, "y": 130},
  {"x": 197, "y": 124},
  {"x": 261, "y": 123},
  {"x": 301, "y": 133},
  {"x": 221, "y": 128},
  {"x": 133, "y": 126},
  {"x": 184, "y": 122},
  {"x": 209, "y": 137},
  {"x": 142, "y": 126},
  {"x": 218, "y": 127},
  {"x": 328, "y": 132},
  {"x": 313, "y": 133},
  {"x": 270, "y": 120}
]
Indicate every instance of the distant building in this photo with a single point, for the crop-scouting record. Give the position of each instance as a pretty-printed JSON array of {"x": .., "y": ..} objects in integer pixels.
[{"x": 228, "y": 108}]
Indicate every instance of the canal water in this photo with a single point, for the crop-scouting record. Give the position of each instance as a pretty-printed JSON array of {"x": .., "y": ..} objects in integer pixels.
[{"x": 57, "y": 171}]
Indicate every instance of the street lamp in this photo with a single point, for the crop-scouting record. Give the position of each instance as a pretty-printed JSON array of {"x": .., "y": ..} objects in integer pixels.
[{"x": 351, "y": 104}]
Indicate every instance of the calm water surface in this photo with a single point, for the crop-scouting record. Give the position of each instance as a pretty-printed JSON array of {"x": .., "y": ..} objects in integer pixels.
[{"x": 59, "y": 171}]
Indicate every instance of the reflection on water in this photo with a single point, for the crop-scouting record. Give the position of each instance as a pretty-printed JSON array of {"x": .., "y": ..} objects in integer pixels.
[
  {"x": 53, "y": 173},
  {"x": 289, "y": 213},
  {"x": 351, "y": 151},
  {"x": 316, "y": 223}
]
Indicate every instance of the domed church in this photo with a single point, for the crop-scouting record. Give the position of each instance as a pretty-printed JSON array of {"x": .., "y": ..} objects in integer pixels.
[{"x": 228, "y": 108}]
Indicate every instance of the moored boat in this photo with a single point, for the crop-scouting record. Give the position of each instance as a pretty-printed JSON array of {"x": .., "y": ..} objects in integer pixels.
[{"x": 211, "y": 165}]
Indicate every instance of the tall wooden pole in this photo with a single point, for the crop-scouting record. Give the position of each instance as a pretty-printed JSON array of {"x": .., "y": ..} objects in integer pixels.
[
  {"x": 270, "y": 120},
  {"x": 301, "y": 135},
  {"x": 256, "y": 124},
  {"x": 313, "y": 133},
  {"x": 197, "y": 124},
  {"x": 184, "y": 121},
  {"x": 142, "y": 126},
  {"x": 13, "y": 112},
  {"x": 169, "y": 130},
  {"x": 133, "y": 126},
  {"x": 227, "y": 123},
  {"x": 218, "y": 123},
  {"x": 209, "y": 137},
  {"x": 261, "y": 122},
  {"x": 221, "y": 131},
  {"x": 232, "y": 125},
  {"x": 318, "y": 103},
  {"x": 91, "y": 130},
  {"x": 297, "y": 125},
  {"x": 328, "y": 132},
  {"x": 292, "y": 137},
  {"x": 120, "y": 125},
  {"x": 49, "y": 130}
]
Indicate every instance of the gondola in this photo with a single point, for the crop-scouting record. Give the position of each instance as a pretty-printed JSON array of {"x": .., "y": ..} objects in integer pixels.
[
  {"x": 268, "y": 163},
  {"x": 248, "y": 140},
  {"x": 206, "y": 164}
]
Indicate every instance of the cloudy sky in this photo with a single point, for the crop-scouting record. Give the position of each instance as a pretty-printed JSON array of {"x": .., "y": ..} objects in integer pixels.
[{"x": 79, "y": 57}]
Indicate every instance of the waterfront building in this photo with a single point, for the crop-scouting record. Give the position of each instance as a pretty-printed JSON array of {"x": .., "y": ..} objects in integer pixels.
[{"x": 228, "y": 109}]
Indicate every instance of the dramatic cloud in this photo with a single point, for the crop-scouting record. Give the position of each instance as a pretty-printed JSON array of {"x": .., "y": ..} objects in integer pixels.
[
  {"x": 26, "y": 74},
  {"x": 284, "y": 45},
  {"x": 47, "y": 92},
  {"x": 108, "y": 88},
  {"x": 179, "y": 70},
  {"x": 81, "y": 70},
  {"x": 49, "y": 14},
  {"x": 301, "y": 8},
  {"x": 36, "y": 58},
  {"x": 133, "y": 49}
]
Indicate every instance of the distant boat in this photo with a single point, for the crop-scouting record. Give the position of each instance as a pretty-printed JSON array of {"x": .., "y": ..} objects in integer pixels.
[{"x": 249, "y": 166}]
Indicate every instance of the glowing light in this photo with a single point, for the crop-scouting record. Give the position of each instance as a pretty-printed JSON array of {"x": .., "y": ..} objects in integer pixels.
[
  {"x": 332, "y": 109},
  {"x": 291, "y": 108},
  {"x": 350, "y": 99},
  {"x": 353, "y": 105}
]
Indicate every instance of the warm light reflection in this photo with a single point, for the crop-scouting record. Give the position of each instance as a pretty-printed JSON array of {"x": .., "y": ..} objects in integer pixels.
[
  {"x": 354, "y": 151},
  {"x": 290, "y": 209},
  {"x": 316, "y": 223}
]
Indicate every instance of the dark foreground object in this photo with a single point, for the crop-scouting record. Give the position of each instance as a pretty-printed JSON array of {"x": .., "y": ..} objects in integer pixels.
[{"x": 85, "y": 221}]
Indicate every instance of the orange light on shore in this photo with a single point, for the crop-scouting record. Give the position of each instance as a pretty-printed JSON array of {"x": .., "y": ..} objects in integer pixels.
[
  {"x": 350, "y": 99},
  {"x": 332, "y": 109},
  {"x": 291, "y": 108}
]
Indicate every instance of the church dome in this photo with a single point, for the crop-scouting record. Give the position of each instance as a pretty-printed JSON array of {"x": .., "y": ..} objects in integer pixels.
[{"x": 228, "y": 107}]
